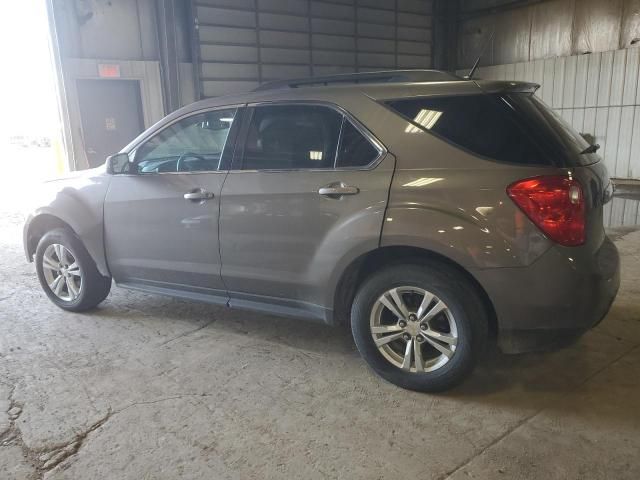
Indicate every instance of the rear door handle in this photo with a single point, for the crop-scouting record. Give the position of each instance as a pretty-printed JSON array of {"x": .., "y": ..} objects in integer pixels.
[
  {"x": 338, "y": 190},
  {"x": 198, "y": 194}
]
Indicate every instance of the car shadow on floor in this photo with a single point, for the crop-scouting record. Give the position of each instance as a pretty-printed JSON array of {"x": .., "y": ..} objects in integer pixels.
[
  {"x": 291, "y": 332},
  {"x": 525, "y": 381}
]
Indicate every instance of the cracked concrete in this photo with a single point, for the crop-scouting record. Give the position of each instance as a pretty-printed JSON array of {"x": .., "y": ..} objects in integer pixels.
[{"x": 150, "y": 387}]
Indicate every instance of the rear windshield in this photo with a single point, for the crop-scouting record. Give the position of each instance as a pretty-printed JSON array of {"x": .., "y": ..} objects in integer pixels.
[
  {"x": 512, "y": 128},
  {"x": 552, "y": 127}
]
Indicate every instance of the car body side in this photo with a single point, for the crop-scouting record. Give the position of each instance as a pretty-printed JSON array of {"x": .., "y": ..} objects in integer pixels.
[
  {"x": 440, "y": 201},
  {"x": 76, "y": 202}
]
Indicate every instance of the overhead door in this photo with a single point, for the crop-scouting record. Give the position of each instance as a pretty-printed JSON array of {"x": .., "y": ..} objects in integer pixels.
[{"x": 241, "y": 43}]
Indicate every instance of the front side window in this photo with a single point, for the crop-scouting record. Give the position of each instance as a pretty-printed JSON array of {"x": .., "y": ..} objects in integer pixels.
[{"x": 194, "y": 144}]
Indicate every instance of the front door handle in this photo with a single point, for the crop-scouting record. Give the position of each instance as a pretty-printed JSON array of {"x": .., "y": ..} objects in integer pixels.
[
  {"x": 198, "y": 195},
  {"x": 338, "y": 190}
]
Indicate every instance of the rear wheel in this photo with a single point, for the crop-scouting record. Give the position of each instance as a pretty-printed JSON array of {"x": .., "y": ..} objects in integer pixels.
[
  {"x": 67, "y": 272},
  {"x": 419, "y": 327}
]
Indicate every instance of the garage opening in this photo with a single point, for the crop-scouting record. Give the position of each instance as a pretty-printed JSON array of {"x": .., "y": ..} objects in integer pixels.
[{"x": 30, "y": 126}]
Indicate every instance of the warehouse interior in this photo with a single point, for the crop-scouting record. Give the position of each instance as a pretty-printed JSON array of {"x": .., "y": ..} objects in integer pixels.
[
  {"x": 152, "y": 387},
  {"x": 581, "y": 53}
]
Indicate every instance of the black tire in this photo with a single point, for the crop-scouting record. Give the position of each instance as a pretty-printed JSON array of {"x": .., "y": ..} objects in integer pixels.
[
  {"x": 94, "y": 287},
  {"x": 462, "y": 300}
]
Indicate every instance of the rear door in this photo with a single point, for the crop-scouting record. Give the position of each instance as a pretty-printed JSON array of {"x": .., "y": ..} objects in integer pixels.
[{"x": 307, "y": 190}]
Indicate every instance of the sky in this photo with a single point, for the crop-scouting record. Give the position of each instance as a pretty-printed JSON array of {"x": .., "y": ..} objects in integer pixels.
[{"x": 28, "y": 102}]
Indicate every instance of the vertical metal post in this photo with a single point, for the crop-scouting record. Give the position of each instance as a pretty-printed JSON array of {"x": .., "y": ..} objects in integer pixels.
[
  {"x": 62, "y": 98},
  {"x": 194, "y": 43},
  {"x": 168, "y": 54},
  {"x": 310, "y": 27},
  {"x": 396, "y": 27},
  {"x": 258, "y": 41},
  {"x": 445, "y": 34},
  {"x": 356, "y": 40}
]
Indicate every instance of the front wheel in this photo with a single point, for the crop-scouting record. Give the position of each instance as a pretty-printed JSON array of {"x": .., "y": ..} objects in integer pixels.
[
  {"x": 419, "y": 327},
  {"x": 67, "y": 272}
]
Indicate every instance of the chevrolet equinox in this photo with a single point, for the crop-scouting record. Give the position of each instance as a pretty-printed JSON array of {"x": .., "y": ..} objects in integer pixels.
[{"x": 427, "y": 211}]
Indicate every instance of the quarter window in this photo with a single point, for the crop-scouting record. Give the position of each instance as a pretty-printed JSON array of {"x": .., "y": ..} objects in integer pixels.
[
  {"x": 484, "y": 124},
  {"x": 355, "y": 149},
  {"x": 194, "y": 144}
]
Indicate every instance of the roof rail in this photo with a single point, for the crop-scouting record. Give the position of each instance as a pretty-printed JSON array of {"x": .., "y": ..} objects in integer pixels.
[{"x": 389, "y": 76}]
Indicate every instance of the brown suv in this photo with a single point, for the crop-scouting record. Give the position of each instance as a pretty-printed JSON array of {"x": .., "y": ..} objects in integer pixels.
[{"x": 426, "y": 210}]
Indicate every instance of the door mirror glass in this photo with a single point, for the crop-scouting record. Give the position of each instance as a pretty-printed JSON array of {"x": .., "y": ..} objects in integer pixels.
[{"x": 118, "y": 164}]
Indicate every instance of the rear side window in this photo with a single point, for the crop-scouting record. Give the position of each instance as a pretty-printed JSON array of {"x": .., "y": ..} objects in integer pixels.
[
  {"x": 292, "y": 138},
  {"x": 298, "y": 137},
  {"x": 485, "y": 125}
]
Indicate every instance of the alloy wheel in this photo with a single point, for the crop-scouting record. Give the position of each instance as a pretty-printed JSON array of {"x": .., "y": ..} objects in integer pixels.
[
  {"x": 413, "y": 329},
  {"x": 62, "y": 272}
]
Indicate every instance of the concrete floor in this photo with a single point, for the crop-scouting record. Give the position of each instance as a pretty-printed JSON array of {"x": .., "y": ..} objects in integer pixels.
[{"x": 153, "y": 388}]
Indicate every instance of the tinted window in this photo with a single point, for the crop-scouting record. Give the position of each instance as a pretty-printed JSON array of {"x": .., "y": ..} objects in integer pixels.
[
  {"x": 291, "y": 137},
  {"x": 192, "y": 144},
  {"x": 355, "y": 149},
  {"x": 551, "y": 129},
  {"x": 483, "y": 124}
]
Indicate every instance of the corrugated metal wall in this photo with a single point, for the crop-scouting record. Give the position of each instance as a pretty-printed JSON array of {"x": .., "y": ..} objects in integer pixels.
[
  {"x": 115, "y": 29},
  {"x": 598, "y": 94},
  {"x": 622, "y": 212},
  {"x": 539, "y": 29},
  {"x": 585, "y": 55},
  {"x": 245, "y": 42}
]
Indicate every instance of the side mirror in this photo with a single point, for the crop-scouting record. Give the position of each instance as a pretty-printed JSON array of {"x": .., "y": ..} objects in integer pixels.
[{"x": 118, "y": 164}]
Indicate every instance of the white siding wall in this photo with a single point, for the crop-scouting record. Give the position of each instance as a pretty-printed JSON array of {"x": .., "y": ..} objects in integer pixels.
[{"x": 622, "y": 212}]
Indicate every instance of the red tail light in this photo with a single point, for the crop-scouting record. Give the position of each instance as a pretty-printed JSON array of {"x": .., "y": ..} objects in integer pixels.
[{"x": 555, "y": 204}]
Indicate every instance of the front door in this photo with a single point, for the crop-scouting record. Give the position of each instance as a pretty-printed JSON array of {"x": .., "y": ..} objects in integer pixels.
[
  {"x": 111, "y": 115},
  {"x": 161, "y": 221},
  {"x": 307, "y": 189}
]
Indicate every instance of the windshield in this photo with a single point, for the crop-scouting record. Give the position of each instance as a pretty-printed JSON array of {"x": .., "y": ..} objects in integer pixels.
[{"x": 551, "y": 128}]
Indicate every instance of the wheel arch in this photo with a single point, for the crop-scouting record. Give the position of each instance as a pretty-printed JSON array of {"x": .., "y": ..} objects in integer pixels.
[
  {"x": 364, "y": 265},
  {"x": 38, "y": 225}
]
